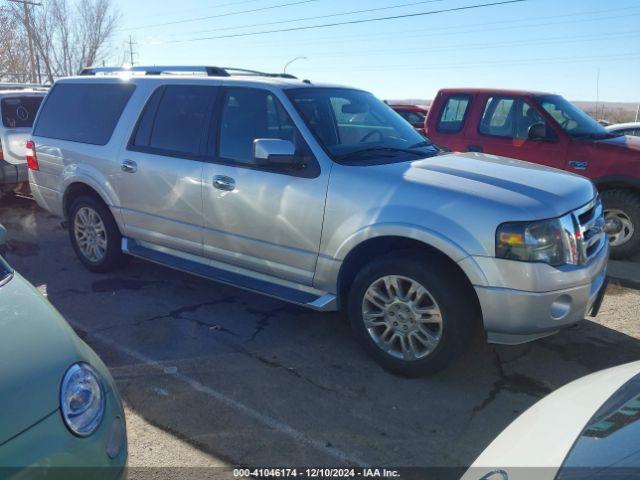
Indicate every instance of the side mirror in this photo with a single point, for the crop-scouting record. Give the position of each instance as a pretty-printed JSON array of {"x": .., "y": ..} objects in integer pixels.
[
  {"x": 275, "y": 152},
  {"x": 538, "y": 131},
  {"x": 3, "y": 240}
]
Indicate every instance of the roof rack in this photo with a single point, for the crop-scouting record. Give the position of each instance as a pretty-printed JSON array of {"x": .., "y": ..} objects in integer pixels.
[
  {"x": 23, "y": 86},
  {"x": 168, "y": 70}
]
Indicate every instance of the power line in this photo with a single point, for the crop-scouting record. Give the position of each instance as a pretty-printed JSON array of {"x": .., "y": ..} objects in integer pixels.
[
  {"x": 493, "y": 64},
  {"x": 200, "y": 9},
  {"x": 351, "y": 22},
  {"x": 433, "y": 32},
  {"x": 228, "y": 14},
  {"x": 319, "y": 17}
]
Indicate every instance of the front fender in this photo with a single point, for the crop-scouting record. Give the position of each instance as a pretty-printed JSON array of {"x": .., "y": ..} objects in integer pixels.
[{"x": 329, "y": 265}]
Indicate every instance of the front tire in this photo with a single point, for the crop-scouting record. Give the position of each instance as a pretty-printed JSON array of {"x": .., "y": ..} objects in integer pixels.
[
  {"x": 94, "y": 235},
  {"x": 622, "y": 217},
  {"x": 413, "y": 313}
]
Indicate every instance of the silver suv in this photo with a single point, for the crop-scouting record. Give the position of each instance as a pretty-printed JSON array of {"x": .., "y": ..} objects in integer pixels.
[
  {"x": 321, "y": 196},
  {"x": 18, "y": 107}
]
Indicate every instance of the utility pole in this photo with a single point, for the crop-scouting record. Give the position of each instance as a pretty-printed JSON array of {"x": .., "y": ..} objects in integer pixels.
[
  {"x": 638, "y": 113},
  {"x": 33, "y": 69},
  {"x": 597, "y": 93},
  {"x": 132, "y": 53}
]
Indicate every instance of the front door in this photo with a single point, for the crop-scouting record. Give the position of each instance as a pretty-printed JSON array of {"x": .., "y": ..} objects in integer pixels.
[
  {"x": 160, "y": 181},
  {"x": 504, "y": 130},
  {"x": 259, "y": 218}
]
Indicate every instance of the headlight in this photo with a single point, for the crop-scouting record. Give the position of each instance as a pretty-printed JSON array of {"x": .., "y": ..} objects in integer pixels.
[
  {"x": 549, "y": 241},
  {"x": 82, "y": 399}
]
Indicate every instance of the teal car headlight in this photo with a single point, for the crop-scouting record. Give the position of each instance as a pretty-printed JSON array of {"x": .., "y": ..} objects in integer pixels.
[{"x": 82, "y": 400}]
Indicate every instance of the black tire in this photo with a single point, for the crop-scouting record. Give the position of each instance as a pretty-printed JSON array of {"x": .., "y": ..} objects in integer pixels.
[
  {"x": 448, "y": 288},
  {"x": 627, "y": 202},
  {"x": 113, "y": 257}
]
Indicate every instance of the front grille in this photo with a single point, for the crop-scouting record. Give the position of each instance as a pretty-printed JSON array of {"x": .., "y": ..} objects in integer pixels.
[{"x": 590, "y": 230}]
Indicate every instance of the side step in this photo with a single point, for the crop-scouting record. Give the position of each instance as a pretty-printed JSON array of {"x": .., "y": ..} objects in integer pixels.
[{"x": 322, "y": 302}]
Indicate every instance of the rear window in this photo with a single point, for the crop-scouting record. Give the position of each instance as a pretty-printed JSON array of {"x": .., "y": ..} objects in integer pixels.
[
  {"x": 84, "y": 113},
  {"x": 453, "y": 114},
  {"x": 19, "y": 112}
]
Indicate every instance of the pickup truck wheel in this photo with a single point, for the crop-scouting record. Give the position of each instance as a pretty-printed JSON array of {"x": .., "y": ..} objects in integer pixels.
[
  {"x": 409, "y": 315},
  {"x": 622, "y": 219},
  {"x": 94, "y": 235}
]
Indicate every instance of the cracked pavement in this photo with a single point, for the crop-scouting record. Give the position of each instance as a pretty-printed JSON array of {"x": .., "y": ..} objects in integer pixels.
[{"x": 212, "y": 375}]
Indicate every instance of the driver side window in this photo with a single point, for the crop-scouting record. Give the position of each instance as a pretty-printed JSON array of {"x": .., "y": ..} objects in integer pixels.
[{"x": 508, "y": 117}]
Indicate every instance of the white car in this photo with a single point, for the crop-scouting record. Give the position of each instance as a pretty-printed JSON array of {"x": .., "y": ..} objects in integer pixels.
[
  {"x": 19, "y": 105},
  {"x": 632, "y": 129},
  {"x": 587, "y": 429}
]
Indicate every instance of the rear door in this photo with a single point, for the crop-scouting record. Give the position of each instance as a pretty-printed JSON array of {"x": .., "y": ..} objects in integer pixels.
[
  {"x": 159, "y": 183},
  {"x": 18, "y": 113},
  {"x": 255, "y": 217},
  {"x": 447, "y": 129},
  {"x": 503, "y": 129}
]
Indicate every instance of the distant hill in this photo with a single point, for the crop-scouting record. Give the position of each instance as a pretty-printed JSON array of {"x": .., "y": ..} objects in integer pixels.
[{"x": 614, "y": 112}]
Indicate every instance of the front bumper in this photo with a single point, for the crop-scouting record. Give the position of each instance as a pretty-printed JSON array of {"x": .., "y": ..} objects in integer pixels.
[
  {"x": 553, "y": 298},
  {"x": 49, "y": 450}
]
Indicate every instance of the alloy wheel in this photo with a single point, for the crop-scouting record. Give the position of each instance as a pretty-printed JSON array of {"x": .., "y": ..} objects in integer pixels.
[{"x": 402, "y": 317}]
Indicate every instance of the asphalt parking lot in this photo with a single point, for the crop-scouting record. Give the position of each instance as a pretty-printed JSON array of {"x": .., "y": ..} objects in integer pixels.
[{"x": 215, "y": 376}]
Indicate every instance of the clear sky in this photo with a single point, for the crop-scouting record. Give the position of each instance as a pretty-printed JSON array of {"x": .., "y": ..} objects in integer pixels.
[{"x": 549, "y": 45}]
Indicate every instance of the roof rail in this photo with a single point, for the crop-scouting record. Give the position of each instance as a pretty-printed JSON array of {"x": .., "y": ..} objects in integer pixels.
[
  {"x": 167, "y": 70},
  {"x": 22, "y": 86}
]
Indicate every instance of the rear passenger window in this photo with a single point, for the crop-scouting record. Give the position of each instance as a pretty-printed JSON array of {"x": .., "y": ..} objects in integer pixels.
[
  {"x": 20, "y": 112},
  {"x": 249, "y": 114},
  {"x": 174, "y": 121},
  {"x": 453, "y": 114},
  {"x": 180, "y": 121},
  {"x": 84, "y": 113}
]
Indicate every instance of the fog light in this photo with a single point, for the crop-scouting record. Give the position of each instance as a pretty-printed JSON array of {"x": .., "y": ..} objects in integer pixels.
[
  {"x": 561, "y": 307},
  {"x": 116, "y": 438}
]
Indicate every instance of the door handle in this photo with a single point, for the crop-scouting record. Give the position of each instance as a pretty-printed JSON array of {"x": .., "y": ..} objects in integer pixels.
[
  {"x": 474, "y": 148},
  {"x": 222, "y": 182},
  {"x": 129, "y": 166}
]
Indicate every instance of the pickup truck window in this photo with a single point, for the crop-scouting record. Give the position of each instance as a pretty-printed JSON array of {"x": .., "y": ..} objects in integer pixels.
[
  {"x": 508, "y": 117},
  {"x": 355, "y": 127},
  {"x": 453, "y": 114},
  {"x": 572, "y": 120},
  {"x": 249, "y": 114}
]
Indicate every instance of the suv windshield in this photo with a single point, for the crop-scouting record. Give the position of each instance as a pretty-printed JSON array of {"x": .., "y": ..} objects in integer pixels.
[
  {"x": 355, "y": 127},
  {"x": 19, "y": 112},
  {"x": 572, "y": 120}
]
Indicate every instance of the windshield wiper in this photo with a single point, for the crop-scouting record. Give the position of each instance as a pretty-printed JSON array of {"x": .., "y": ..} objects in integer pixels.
[
  {"x": 364, "y": 151},
  {"x": 595, "y": 136}
]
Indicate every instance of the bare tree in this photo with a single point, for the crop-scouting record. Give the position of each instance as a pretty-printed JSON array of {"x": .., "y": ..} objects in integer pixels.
[{"x": 66, "y": 35}]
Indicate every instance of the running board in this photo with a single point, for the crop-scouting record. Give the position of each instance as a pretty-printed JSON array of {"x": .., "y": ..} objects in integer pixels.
[{"x": 317, "y": 301}]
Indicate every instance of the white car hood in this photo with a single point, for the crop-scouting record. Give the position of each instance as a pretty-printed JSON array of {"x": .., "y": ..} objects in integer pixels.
[{"x": 541, "y": 438}]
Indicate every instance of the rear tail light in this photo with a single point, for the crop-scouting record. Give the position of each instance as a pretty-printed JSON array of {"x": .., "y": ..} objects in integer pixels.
[{"x": 32, "y": 159}]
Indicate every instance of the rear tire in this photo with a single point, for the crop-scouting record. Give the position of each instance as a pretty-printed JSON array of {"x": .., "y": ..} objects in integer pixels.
[
  {"x": 424, "y": 342},
  {"x": 622, "y": 212},
  {"x": 95, "y": 236}
]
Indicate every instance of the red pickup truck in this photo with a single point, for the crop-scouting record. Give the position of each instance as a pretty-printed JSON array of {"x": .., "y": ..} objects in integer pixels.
[{"x": 547, "y": 129}]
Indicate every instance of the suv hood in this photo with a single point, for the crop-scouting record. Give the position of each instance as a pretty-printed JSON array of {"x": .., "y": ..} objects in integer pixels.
[
  {"x": 514, "y": 189},
  {"x": 36, "y": 347}
]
